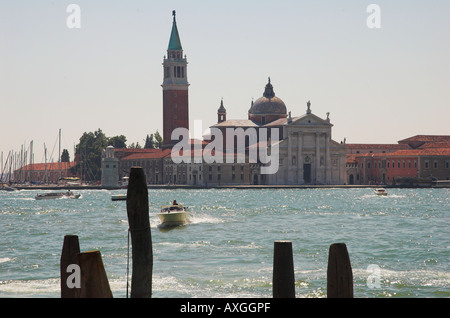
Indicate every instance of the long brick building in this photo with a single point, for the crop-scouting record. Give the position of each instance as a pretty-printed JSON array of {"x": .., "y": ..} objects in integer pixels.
[{"x": 420, "y": 158}]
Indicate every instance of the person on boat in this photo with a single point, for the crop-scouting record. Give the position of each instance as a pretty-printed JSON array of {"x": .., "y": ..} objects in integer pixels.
[{"x": 174, "y": 202}]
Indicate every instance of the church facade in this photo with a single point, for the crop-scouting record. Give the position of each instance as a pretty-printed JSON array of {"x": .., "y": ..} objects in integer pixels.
[{"x": 307, "y": 154}]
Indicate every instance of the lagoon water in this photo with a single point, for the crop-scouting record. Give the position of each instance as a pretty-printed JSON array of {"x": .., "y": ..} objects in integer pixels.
[{"x": 227, "y": 249}]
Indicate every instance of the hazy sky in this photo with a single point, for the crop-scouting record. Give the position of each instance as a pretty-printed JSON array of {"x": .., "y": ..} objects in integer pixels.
[{"x": 380, "y": 85}]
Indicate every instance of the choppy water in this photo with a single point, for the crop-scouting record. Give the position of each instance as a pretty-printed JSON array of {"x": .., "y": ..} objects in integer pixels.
[{"x": 227, "y": 250}]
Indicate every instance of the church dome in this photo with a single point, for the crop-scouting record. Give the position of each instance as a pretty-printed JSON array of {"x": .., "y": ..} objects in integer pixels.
[{"x": 268, "y": 104}]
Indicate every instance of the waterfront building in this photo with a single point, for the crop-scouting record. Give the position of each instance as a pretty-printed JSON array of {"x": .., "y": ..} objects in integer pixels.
[
  {"x": 151, "y": 160},
  {"x": 421, "y": 158},
  {"x": 44, "y": 173}
]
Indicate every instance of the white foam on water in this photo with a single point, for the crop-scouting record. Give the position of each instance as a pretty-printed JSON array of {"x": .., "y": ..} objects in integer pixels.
[
  {"x": 30, "y": 288},
  {"x": 196, "y": 218}
]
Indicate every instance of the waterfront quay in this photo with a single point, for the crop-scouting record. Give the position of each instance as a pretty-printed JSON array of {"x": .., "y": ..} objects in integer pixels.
[{"x": 239, "y": 186}]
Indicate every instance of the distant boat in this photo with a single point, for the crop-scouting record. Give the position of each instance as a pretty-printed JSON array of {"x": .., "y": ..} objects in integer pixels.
[
  {"x": 380, "y": 191},
  {"x": 57, "y": 195},
  {"x": 172, "y": 215},
  {"x": 6, "y": 187},
  {"x": 119, "y": 197},
  {"x": 124, "y": 183}
]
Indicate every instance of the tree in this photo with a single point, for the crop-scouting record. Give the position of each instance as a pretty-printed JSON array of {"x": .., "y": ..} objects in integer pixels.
[
  {"x": 65, "y": 156},
  {"x": 158, "y": 140},
  {"x": 149, "y": 142},
  {"x": 118, "y": 141},
  {"x": 135, "y": 145},
  {"x": 89, "y": 154}
]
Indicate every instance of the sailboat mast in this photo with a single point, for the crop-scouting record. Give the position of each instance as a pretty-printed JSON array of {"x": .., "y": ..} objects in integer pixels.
[{"x": 59, "y": 155}]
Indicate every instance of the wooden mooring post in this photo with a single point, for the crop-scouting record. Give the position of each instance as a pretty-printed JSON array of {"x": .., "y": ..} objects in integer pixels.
[
  {"x": 141, "y": 240},
  {"x": 70, "y": 250},
  {"x": 339, "y": 272},
  {"x": 283, "y": 281},
  {"x": 94, "y": 282}
]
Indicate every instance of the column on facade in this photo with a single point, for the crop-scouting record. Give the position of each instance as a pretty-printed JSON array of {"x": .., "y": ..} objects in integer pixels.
[
  {"x": 289, "y": 158},
  {"x": 299, "y": 158},
  {"x": 327, "y": 160},
  {"x": 317, "y": 165},
  {"x": 289, "y": 149}
]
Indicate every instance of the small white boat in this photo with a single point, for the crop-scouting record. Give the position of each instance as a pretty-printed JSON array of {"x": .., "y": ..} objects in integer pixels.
[
  {"x": 57, "y": 195},
  {"x": 380, "y": 191},
  {"x": 174, "y": 214},
  {"x": 119, "y": 197}
]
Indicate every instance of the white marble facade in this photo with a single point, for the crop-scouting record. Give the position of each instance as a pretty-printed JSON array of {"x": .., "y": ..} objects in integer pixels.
[{"x": 307, "y": 154}]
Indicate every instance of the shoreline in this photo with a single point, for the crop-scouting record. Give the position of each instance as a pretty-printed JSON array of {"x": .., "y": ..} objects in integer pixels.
[{"x": 194, "y": 187}]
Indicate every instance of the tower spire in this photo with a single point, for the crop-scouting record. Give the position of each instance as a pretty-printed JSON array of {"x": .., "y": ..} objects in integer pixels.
[{"x": 174, "y": 42}]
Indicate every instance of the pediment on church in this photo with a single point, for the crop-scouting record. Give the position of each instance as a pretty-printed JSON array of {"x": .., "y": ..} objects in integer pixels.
[{"x": 309, "y": 120}]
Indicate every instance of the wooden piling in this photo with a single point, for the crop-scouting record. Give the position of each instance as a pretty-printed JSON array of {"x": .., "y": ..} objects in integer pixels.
[
  {"x": 94, "y": 282},
  {"x": 70, "y": 250},
  {"x": 339, "y": 273},
  {"x": 141, "y": 240},
  {"x": 283, "y": 280}
]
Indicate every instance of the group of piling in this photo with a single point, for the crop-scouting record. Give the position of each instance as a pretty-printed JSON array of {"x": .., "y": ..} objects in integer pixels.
[{"x": 93, "y": 281}]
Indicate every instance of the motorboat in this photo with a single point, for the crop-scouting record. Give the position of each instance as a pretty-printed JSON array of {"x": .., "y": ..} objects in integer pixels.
[
  {"x": 57, "y": 195},
  {"x": 5, "y": 187},
  {"x": 119, "y": 197},
  {"x": 174, "y": 214},
  {"x": 380, "y": 191}
]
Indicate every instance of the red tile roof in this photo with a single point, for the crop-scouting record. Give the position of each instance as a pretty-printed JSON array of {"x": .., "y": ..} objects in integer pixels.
[
  {"x": 377, "y": 146},
  {"x": 49, "y": 166},
  {"x": 427, "y": 138},
  {"x": 435, "y": 145},
  {"x": 403, "y": 153},
  {"x": 148, "y": 154}
]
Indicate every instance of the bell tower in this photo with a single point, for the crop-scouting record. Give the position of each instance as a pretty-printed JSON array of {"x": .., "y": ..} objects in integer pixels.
[
  {"x": 221, "y": 113},
  {"x": 175, "y": 88}
]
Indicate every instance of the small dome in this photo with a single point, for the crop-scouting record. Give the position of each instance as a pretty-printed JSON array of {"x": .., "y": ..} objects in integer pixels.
[{"x": 268, "y": 104}]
